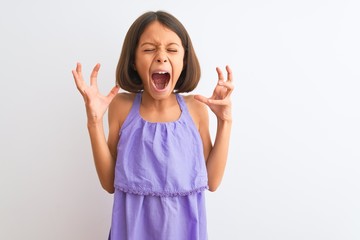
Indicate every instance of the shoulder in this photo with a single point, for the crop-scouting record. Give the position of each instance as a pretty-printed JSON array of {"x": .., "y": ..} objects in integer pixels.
[
  {"x": 123, "y": 98},
  {"x": 120, "y": 107},
  {"x": 192, "y": 103},
  {"x": 197, "y": 109}
]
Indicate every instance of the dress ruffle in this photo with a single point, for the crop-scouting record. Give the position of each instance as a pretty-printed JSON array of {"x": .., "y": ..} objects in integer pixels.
[{"x": 162, "y": 194}]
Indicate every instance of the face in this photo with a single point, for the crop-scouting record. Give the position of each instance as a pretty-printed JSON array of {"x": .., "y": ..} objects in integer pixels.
[{"x": 159, "y": 60}]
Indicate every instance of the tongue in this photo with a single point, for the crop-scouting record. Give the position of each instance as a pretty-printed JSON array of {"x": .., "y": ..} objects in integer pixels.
[{"x": 160, "y": 80}]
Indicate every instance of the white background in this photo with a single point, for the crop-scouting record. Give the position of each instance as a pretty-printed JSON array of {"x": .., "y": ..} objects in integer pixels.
[{"x": 293, "y": 170}]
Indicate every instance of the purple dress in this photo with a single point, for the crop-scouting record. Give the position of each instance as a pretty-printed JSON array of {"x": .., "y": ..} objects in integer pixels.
[{"x": 160, "y": 178}]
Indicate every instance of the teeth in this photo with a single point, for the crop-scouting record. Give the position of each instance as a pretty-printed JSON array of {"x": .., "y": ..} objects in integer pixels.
[{"x": 162, "y": 72}]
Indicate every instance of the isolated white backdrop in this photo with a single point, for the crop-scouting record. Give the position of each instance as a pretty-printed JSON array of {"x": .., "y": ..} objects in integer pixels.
[{"x": 294, "y": 169}]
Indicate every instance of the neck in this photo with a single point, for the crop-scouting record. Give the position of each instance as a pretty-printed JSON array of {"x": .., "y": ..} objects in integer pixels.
[
  {"x": 159, "y": 110},
  {"x": 149, "y": 102}
]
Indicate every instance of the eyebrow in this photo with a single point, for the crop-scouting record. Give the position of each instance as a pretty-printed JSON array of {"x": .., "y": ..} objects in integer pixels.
[{"x": 154, "y": 44}]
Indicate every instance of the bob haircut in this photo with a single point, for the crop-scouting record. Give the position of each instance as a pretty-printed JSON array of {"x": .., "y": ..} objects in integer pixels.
[{"x": 127, "y": 77}]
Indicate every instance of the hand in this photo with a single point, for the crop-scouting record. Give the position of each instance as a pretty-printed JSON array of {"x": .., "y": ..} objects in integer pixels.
[
  {"x": 220, "y": 102},
  {"x": 95, "y": 103}
]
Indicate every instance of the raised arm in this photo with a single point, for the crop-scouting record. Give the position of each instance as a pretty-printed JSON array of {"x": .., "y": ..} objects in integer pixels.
[
  {"x": 220, "y": 104},
  {"x": 96, "y": 106}
]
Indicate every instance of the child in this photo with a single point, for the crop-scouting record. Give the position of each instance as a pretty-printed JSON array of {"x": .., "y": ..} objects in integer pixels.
[{"x": 158, "y": 158}]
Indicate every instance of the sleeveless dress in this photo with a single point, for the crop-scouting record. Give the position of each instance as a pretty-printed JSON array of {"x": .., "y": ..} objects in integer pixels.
[{"x": 160, "y": 178}]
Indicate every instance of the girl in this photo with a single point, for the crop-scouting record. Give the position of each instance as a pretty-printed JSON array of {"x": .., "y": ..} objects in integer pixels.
[{"x": 158, "y": 158}]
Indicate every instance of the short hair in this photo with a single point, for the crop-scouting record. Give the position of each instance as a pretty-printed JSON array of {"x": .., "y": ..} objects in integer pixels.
[{"x": 126, "y": 75}]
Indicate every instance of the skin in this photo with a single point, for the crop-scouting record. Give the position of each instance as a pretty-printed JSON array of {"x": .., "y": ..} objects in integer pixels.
[{"x": 159, "y": 49}]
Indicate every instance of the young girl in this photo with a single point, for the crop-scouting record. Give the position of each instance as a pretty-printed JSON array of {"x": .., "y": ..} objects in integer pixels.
[{"x": 158, "y": 158}]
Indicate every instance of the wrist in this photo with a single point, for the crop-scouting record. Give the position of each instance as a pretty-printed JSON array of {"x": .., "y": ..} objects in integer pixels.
[
  {"x": 94, "y": 123},
  {"x": 224, "y": 125},
  {"x": 225, "y": 121}
]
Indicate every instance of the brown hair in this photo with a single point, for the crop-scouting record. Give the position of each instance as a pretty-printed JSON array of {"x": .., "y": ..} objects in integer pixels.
[{"x": 126, "y": 76}]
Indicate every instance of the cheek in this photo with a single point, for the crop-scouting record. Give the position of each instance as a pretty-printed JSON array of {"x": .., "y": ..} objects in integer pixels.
[
  {"x": 140, "y": 62},
  {"x": 142, "y": 67},
  {"x": 180, "y": 63}
]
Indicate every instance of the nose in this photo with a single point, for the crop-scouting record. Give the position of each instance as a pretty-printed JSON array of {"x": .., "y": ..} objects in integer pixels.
[{"x": 161, "y": 58}]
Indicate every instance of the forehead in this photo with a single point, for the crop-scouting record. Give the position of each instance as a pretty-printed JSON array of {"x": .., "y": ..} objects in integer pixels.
[{"x": 158, "y": 33}]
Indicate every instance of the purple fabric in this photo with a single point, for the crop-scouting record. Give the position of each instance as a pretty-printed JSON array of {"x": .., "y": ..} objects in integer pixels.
[{"x": 160, "y": 178}]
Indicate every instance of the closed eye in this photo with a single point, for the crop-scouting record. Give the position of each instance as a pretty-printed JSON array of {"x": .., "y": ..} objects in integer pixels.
[
  {"x": 172, "y": 50},
  {"x": 149, "y": 50}
]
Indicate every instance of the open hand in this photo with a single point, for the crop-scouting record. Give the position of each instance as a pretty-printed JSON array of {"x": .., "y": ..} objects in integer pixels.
[
  {"x": 220, "y": 102},
  {"x": 95, "y": 103}
]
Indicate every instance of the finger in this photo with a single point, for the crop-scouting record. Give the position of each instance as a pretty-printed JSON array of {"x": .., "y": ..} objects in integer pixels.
[
  {"x": 228, "y": 85},
  {"x": 219, "y": 92},
  {"x": 81, "y": 87},
  {"x": 94, "y": 74},
  {"x": 222, "y": 102},
  {"x": 220, "y": 74},
  {"x": 224, "y": 93},
  {"x": 79, "y": 70},
  {"x": 202, "y": 99},
  {"x": 80, "y": 84},
  {"x": 113, "y": 92},
  {"x": 222, "y": 90},
  {"x": 78, "y": 67},
  {"x": 229, "y": 73}
]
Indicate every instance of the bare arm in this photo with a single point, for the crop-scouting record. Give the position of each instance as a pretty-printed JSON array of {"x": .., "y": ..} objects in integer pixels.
[
  {"x": 96, "y": 106},
  {"x": 220, "y": 104}
]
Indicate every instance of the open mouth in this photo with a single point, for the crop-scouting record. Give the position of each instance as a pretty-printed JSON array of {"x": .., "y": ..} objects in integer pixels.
[{"x": 160, "y": 80}]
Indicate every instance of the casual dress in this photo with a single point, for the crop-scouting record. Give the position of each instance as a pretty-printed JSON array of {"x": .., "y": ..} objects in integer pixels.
[{"x": 160, "y": 178}]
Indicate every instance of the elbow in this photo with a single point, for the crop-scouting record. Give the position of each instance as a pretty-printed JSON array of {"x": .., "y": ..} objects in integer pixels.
[
  {"x": 213, "y": 186},
  {"x": 109, "y": 189},
  {"x": 212, "y": 189}
]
